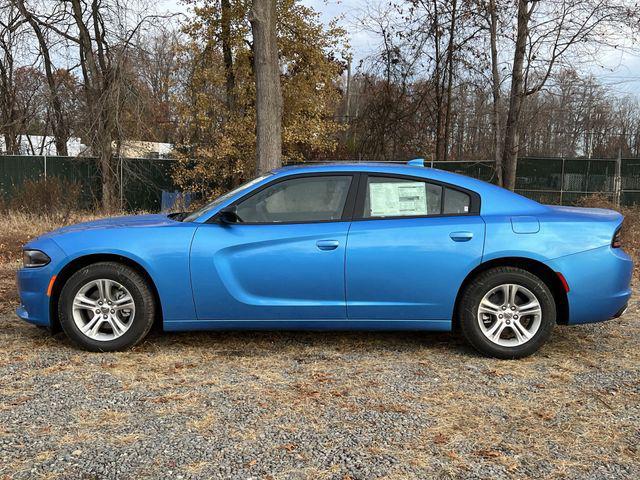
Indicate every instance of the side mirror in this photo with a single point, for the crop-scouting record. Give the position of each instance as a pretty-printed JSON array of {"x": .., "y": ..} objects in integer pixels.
[{"x": 228, "y": 215}]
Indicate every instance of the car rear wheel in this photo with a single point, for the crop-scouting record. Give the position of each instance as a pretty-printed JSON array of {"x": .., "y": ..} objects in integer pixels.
[
  {"x": 106, "y": 306},
  {"x": 507, "y": 312}
]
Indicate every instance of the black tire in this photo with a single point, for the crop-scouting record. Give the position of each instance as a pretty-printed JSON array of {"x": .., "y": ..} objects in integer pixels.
[
  {"x": 483, "y": 284},
  {"x": 137, "y": 286}
]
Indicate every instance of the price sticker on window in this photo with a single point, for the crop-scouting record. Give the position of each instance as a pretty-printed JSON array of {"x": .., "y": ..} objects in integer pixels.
[{"x": 397, "y": 199}]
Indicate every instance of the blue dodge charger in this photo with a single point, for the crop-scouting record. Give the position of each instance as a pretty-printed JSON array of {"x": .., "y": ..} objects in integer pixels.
[{"x": 344, "y": 246}]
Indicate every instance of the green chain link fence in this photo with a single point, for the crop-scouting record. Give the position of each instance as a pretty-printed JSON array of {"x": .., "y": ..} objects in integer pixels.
[
  {"x": 142, "y": 181},
  {"x": 564, "y": 180}
]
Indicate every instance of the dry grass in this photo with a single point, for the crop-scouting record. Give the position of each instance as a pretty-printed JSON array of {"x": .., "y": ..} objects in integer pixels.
[
  {"x": 54, "y": 195},
  {"x": 425, "y": 401}
]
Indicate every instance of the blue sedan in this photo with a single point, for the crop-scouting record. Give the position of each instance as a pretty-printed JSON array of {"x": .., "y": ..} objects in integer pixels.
[{"x": 344, "y": 246}]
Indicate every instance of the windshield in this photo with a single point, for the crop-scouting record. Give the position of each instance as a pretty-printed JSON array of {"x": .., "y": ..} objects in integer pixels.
[{"x": 192, "y": 216}]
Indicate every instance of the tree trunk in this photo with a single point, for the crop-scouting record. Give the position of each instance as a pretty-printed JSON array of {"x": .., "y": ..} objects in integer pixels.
[
  {"x": 108, "y": 177},
  {"x": 495, "y": 89},
  {"x": 98, "y": 79},
  {"x": 8, "y": 114},
  {"x": 268, "y": 93},
  {"x": 438, "y": 75},
  {"x": 228, "y": 55},
  {"x": 516, "y": 98},
  {"x": 450, "y": 52},
  {"x": 11, "y": 144},
  {"x": 348, "y": 131}
]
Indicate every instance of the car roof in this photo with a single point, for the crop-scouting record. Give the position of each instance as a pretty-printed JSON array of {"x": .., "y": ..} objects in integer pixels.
[
  {"x": 494, "y": 200},
  {"x": 351, "y": 166},
  {"x": 375, "y": 167}
]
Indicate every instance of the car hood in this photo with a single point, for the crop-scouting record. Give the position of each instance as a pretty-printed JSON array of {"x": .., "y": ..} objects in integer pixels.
[{"x": 130, "y": 221}]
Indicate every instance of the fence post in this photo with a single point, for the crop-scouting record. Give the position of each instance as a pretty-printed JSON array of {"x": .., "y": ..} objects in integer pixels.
[
  {"x": 45, "y": 165},
  {"x": 617, "y": 179},
  {"x": 121, "y": 185},
  {"x": 562, "y": 181}
]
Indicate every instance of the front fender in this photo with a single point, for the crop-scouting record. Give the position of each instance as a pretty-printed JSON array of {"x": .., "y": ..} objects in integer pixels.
[{"x": 163, "y": 253}]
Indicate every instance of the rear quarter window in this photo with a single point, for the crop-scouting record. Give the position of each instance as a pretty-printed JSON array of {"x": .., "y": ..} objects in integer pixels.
[{"x": 456, "y": 202}]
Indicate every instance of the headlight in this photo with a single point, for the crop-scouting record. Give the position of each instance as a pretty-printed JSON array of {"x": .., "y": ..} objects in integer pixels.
[{"x": 34, "y": 258}]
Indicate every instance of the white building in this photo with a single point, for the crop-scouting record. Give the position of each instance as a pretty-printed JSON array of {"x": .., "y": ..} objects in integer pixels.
[{"x": 45, "y": 145}]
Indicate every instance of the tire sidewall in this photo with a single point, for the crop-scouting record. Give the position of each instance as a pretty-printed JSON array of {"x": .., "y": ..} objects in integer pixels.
[
  {"x": 476, "y": 291},
  {"x": 127, "y": 277}
]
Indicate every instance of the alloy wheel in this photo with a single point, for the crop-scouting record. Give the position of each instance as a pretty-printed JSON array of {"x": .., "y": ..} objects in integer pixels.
[
  {"x": 103, "y": 309},
  {"x": 509, "y": 315}
]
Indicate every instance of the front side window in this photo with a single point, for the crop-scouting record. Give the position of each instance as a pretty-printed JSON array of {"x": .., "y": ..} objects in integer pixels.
[
  {"x": 399, "y": 197},
  {"x": 210, "y": 206},
  {"x": 302, "y": 199}
]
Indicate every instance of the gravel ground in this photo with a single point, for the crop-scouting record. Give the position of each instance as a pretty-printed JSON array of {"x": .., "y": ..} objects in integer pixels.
[{"x": 320, "y": 405}]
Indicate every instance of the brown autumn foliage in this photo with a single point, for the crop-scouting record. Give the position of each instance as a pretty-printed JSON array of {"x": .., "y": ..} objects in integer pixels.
[{"x": 216, "y": 114}]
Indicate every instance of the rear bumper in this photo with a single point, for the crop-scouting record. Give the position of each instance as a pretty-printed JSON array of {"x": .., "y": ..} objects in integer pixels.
[
  {"x": 621, "y": 312},
  {"x": 599, "y": 282}
]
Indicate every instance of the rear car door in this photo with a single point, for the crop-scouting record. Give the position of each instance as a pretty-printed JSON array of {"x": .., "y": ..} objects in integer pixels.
[
  {"x": 411, "y": 244},
  {"x": 285, "y": 260}
]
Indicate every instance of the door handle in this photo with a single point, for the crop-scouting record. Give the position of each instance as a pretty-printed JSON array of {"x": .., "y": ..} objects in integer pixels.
[
  {"x": 461, "y": 236},
  {"x": 327, "y": 244}
]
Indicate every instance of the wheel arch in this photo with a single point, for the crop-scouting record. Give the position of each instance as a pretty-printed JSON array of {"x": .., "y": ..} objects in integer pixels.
[
  {"x": 536, "y": 267},
  {"x": 80, "y": 262}
]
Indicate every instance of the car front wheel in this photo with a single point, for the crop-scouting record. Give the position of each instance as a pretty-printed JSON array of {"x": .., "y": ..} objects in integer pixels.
[
  {"x": 507, "y": 312},
  {"x": 106, "y": 306}
]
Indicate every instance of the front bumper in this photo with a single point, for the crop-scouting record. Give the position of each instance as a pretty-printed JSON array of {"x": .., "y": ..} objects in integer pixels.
[
  {"x": 599, "y": 282},
  {"x": 33, "y": 284}
]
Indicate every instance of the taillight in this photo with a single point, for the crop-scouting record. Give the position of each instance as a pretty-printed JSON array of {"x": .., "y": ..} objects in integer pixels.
[{"x": 617, "y": 239}]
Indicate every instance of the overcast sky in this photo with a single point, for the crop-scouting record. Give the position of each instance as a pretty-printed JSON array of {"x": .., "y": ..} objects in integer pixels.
[{"x": 617, "y": 69}]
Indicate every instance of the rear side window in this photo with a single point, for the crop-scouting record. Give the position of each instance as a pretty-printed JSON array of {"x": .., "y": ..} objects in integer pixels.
[
  {"x": 399, "y": 197},
  {"x": 455, "y": 202},
  {"x": 302, "y": 199},
  {"x": 404, "y": 197}
]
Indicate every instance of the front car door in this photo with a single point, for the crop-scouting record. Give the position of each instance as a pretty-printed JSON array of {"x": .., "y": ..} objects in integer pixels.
[
  {"x": 410, "y": 246},
  {"x": 284, "y": 262}
]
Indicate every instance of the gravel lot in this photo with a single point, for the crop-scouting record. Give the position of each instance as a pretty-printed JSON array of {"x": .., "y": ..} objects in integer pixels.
[{"x": 320, "y": 405}]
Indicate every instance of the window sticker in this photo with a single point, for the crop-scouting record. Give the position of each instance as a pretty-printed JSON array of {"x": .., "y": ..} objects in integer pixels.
[{"x": 398, "y": 198}]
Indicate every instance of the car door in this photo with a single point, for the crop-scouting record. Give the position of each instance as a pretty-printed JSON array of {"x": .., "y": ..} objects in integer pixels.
[
  {"x": 410, "y": 246},
  {"x": 285, "y": 260}
]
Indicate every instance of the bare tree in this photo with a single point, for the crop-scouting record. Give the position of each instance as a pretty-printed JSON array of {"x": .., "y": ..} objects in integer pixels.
[
  {"x": 103, "y": 32},
  {"x": 268, "y": 93},
  {"x": 151, "y": 77},
  {"x": 516, "y": 97},
  {"x": 11, "y": 36},
  {"x": 59, "y": 122},
  {"x": 546, "y": 34}
]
